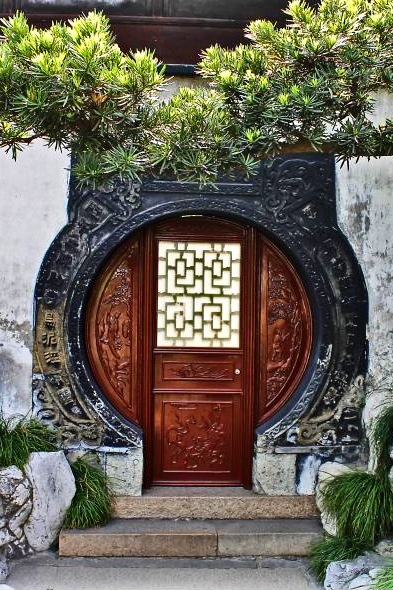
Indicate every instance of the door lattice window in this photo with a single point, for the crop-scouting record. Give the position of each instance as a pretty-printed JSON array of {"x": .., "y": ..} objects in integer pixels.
[{"x": 198, "y": 294}]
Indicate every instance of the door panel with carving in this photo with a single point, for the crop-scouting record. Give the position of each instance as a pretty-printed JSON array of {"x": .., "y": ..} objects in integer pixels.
[
  {"x": 198, "y": 329},
  {"x": 197, "y": 438},
  {"x": 198, "y": 387}
]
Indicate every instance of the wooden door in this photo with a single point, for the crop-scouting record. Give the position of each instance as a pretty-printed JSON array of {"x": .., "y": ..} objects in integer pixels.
[
  {"x": 198, "y": 329},
  {"x": 201, "y": 390}
]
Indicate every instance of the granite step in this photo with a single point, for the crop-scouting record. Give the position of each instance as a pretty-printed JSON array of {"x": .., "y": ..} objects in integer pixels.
[
  {"x": 192, "y": 538},
  {"x": 212, "y": 503}
]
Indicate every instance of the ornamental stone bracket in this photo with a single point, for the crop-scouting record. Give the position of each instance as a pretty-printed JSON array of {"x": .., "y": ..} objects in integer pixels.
[{"x": 291, "y": 200}]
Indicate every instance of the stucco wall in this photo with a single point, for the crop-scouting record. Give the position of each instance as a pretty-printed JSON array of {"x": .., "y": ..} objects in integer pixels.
[
  {"x": 33, "y": 198},
  {"x": 365, "y": 213},
  {"x": 33, "y": 195}
]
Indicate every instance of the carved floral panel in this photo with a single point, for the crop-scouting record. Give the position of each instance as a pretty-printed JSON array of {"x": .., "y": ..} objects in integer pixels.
[{"x": 197, "y": 436}]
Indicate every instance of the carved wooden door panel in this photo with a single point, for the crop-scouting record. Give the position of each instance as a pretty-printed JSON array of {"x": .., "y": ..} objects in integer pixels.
[
  {"x": 198, "y": 329},
  {"x": 199, "y": 388}
]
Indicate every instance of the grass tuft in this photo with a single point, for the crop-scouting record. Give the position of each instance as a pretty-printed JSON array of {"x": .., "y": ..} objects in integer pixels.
[
  {"x": 384, "y": 579},
  {"x": 92, "y": 503},
  {"x": 331, "y": 549},
  {"x": 362, "y": 504},
  {"x": 382, "y": 438},
  {"x": 20, "y": 436}
]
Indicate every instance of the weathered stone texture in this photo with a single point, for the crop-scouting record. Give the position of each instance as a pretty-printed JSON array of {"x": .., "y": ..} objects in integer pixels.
[
  {"x": 53, "y": 489},
  {"x": 36, "y": 183},
  {"x": 363, "y": 582},
  {"x": 385, "y": 547},
  {"x": 341, "y": 575},
  {"x": 365, "y": 215},
  {"x": 274, "y": 475},
  {"x": 125, "y": 472},
  {"x": 3, "y": 570},
  {"x": 15, "y": 507},
  {"x": 308, "y": 475}
]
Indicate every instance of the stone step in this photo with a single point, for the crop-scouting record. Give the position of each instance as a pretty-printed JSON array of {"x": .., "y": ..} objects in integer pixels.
[
  {"x": 214, "y": 503},
  {"x": 192, "y": 538}
]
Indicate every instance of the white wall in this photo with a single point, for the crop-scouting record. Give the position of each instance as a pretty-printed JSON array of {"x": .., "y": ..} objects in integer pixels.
[
  {"x": 33, "y": 198},
  {"x": 33, "y": 194},
  {"x": 365, "y": 213}
]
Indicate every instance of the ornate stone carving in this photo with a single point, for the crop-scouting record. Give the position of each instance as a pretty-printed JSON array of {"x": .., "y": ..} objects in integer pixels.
[
  {"x": 57, "y": 396},
  {"x": 294, "y": 190},
  {"x": 292, "y": 199}
]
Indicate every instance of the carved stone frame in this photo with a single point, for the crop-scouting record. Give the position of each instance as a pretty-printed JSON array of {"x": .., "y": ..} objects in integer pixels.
[{"x": 292, "y": 200}]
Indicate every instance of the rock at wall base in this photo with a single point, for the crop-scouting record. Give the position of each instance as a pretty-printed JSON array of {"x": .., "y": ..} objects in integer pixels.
[
  {"x": 53, "y": 489},
  {"x": 4, "y": 571},
  {"x": 340, "y": 574}
]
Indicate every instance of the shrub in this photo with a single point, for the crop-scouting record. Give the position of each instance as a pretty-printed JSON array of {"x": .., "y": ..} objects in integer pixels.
[
  {"x": 91, "y": 505},
  {"x": 20, "y": 436},
  {"x": 384, "y": 579},
  {"x": 362, "y": 504},
  {"x": 311, "y": 83}
]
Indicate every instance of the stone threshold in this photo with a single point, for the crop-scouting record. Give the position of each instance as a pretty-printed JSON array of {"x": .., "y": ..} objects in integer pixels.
[
  {"x": 212, "y": 503},
  {"x": 181, "y": 538}
]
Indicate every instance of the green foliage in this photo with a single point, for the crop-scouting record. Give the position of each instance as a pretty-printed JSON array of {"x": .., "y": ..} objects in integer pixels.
[
  {"x": 312, "y": 81},
  {"x": 195, "y": 138},
  {"x": 21, "y": 436},
  {"x": 330, "y": 549},
  {"x": 384, "y": 579},
  {"x": 72, "y": 85},
  {"x": 362, "y": 503},
  {"x": 381, "y": 437},
  {"x": 91, "y": 505},
  {"x": 310, "y": 84}
]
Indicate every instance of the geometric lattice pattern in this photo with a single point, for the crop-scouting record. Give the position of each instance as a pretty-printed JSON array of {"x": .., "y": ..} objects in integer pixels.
[{"x": 198, "y": 294}]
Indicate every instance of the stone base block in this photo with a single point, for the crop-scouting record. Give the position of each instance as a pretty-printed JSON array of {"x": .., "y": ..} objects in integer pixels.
[
  {"x": 125, "y": 472},
  {"x": 268, "y": 538},
  {"x": 274, "y": 474},
  {"x": 136, "y": 538}
]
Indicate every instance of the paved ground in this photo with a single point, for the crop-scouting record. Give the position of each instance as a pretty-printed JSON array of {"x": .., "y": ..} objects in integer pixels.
[{"x": 47, "y": 572}]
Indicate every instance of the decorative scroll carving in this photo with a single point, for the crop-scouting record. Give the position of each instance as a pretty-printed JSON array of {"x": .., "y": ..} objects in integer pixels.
[
  {"x": 200, "y": 371},
  {"x": 295, "y": 189},
  {"x": 196, "y": 436}
]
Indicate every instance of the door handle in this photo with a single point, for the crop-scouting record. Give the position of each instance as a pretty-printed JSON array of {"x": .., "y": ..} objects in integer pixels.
[{"x": 237, "y": 371}]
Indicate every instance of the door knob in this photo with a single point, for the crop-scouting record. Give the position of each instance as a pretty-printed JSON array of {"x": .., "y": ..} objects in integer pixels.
[{"x": 237, "y": 371}]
